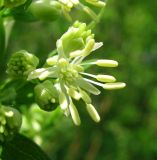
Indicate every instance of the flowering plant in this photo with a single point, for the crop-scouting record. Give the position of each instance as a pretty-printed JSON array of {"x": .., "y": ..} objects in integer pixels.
[{"x": 63, "y": 78}]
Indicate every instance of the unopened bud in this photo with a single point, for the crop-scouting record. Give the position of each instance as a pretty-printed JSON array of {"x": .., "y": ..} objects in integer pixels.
[
  {"x": 10, "y": 122},
  {"x": 44, "y": 93},
  {"x": 21, "y": 64}
]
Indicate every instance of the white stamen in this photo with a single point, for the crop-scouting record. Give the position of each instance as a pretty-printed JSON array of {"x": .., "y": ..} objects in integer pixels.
[{"x": 93, "y": 82}]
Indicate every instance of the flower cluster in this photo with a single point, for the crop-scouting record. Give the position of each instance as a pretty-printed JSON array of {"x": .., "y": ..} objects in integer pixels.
[
  {"x": 68, "y": 5},
  {"x": 65, "y": 78},
  {"x": 10, "y": 122},
  {"x": 21, "y": 64}
]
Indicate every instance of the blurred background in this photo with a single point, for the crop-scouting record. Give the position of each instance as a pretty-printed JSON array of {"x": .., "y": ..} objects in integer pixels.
[{"x": 128, "y": 127}]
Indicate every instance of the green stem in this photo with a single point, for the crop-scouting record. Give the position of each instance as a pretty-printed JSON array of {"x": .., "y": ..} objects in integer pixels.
[{"x": 94, "y": 23}]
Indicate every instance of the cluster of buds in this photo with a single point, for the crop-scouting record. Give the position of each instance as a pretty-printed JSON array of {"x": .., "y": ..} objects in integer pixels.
[
  {"x": 66, "y": 73},
  {"x": 12, "y": 3},
  {"x": 10, "y": 122},
  {"x": 68, "y": 5},
  {"x": 21, "y": 64}
]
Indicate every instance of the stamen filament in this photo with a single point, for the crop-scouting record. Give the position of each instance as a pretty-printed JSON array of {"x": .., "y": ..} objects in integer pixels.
[
  {"x": 88, "y": 74},
  {"x": 94, "y": 82}
]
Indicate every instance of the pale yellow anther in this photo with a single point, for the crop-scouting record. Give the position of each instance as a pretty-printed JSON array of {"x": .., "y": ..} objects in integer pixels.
[
  {"x": 106, "y": 63},
  {"x": 74, "y": 94},
  {"x": 93, "y": 113},
  {"x": 63, "y": 62},
  {"x": 52, "y": 60},
  {"x": 79, "y": 68},
  {"x": 101, "y": 4},
  {"x": 89, "y": 47},
  {"x": 76, "y": 53},
  {"x": 105, "y": 78},
  {"x": 74, "y": 114},
  {"x": 85, "y": 97},
  {"x": 112, "y": 86},
  {"x": 63, "y": 101}
]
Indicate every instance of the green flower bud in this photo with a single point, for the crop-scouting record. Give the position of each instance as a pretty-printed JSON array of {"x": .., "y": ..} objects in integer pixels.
[
  {"x": 45, "y": 10},
  {"x": 10, "y": 122},
  {"x": 13, "y": 3},
  {"x": 76, "y": 41},
  {"x": 21, "y": 64},
  {"x": 46, "y": 95}
]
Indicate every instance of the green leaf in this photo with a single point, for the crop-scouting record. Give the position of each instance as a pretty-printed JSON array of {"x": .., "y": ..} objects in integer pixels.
[{"x": 22, "y": 148}]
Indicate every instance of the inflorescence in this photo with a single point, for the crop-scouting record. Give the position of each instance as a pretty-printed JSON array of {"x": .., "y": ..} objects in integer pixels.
[{"x": 65, "y": 78}]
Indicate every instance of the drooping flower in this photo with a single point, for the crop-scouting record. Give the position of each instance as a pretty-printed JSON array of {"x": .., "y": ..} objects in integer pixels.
[{"x": 66, "y": 72}]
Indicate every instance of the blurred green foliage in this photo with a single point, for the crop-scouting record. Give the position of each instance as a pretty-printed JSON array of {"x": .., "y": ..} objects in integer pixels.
[{"x": 128, "y": 127}]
